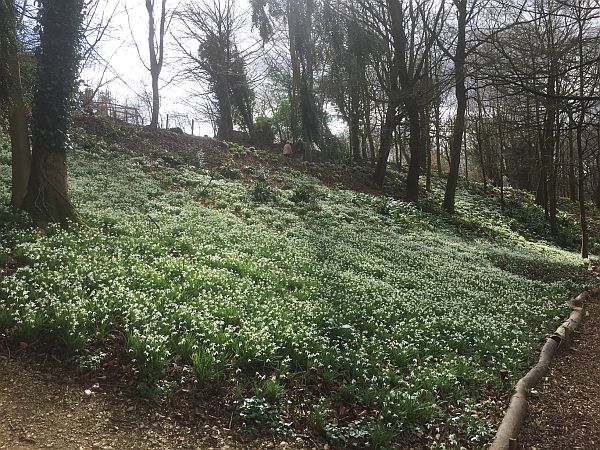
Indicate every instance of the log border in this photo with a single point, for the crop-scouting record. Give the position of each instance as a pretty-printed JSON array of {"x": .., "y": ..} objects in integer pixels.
[{"x": 508, "y": 431}]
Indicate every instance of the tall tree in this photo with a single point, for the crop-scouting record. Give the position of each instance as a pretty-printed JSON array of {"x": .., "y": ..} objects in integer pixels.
[
  {"x": 214, "y": 28},
  {"x": 11, "y": 91},
  {"x": 466, "y": 12},
  {"x": 411, "y": 43},
  {"x": 349, "y": 46},
  {"x": 583, "y": 13},
  {"x": 299, "y": 20},
  {"x": 47, "y": 198},
  {"x": 156, "y": 47}
]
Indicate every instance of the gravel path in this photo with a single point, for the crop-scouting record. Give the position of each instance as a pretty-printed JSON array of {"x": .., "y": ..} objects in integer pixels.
[{"x": 566, "y": 414}]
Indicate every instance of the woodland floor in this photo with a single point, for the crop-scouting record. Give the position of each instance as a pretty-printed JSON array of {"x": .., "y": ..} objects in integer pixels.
[
  {"x": 566, "y": 414},
  {"x": 44, "y": 406}
]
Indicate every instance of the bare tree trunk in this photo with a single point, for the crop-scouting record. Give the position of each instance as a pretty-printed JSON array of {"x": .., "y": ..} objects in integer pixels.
[
  {"x": 368, "y": 131},
  {"x": 292, "y": 17},
  {"x": 426, "y": 132},
  {"x": 581, "y": 179},
  {"x": 156, "y": 50},
  {"x": 461, "y": 106},
  {"x": 438, "y": 149},
  {"x": 597, "y": 192},
  {"x": 456, "y": 146},
  {"x": 552, "y": 185},
  {"x": 478, "y": 132},
  {"x": 571, "y": 164},
  {"x": 10, "y": 72},
  {"x": 428, "y": 163},
  {"x": 385, "y": 142},
  {"x": 397, "y": 150},
  {"x": 543, "y": 191},
  {"x": 354, "y": 125},
  {"x": 466, "y": 156},
  {"x": 408, "y": 95},
  {"x": 501, "y": 137},
  {"x": 580, "y": 125},
  {"x": 20, "y": 147},
  {"x": 155, "y": 101},
  {"x": 546, "y": 159}
]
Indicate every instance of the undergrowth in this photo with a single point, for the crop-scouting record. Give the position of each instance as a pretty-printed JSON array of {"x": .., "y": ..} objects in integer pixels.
[{"x": 372, "y": 317}]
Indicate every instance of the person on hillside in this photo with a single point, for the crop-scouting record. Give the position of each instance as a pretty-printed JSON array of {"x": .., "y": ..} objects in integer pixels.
[{"x": 287, "y": 149}]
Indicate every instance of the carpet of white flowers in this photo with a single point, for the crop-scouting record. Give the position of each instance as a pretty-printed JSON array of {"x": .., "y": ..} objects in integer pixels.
[{"x": 384, "y": 303}]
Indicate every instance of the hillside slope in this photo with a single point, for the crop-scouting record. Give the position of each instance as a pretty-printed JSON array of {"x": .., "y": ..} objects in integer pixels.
[{"x": 302, "y": 307}]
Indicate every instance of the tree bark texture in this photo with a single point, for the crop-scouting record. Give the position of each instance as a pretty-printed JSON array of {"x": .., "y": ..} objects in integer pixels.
[
  {"x": 47, "y": 198},
  {"x": 18, "y": 123},
  {"x": 461, "y": 107}
]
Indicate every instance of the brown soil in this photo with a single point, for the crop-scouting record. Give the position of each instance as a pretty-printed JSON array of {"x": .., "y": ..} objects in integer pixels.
[
  {"x": 9, "y": 267},
  {"x": 566, "y": 414},
  {"x": 43, "y": 406},
  {"x": 174, "y": 148},
  {"x": 182, "y": 147}
]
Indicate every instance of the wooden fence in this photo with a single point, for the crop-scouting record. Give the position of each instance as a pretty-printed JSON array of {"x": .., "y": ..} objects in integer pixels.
[{"x": 124, "y": 113}]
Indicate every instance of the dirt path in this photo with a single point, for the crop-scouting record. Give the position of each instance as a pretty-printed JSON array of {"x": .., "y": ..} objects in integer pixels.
[
  {"x": 566, "y": 415},
  {"x": 41, "y": 407}
]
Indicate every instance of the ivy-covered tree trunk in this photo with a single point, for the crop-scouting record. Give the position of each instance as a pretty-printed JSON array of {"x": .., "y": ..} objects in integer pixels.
[
  {"x": 10, "y": 84},
  {"x": 225, "y": 118},
  {"x": 293, "y": 19},
  {"x": 414, "y": 144},
  {"x": 47, "y": 198}
]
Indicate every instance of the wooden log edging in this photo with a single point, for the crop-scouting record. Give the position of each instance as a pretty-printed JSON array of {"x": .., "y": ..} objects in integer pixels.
[{"x": 508, "y": 431}]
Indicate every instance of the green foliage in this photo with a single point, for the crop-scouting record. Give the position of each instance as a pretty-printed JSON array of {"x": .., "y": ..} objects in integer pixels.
[
  {"x": 230, "y": 172},
  {"x": 384, "y": 206},
  {"x": 317, "y": 418},
  {"x": 382, "y": 435},
  {"x": 263, "y": 131},
  {"x": 531, "y": 220},
  {"x": 256, "y": 413},
  {"x": 149, "y": 354},
  {"x": 403, "y": 315},
  {"x": 262, "y": 192},
  {"x": 270, "y": 390},
  {"x": 281, "y": 118},
  {"x": 304, "y": 192},
  {"x": 207, "y": 368},
  {"x": 90, "y": 362}
]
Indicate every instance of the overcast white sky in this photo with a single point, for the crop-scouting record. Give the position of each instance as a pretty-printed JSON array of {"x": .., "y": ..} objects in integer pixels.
[{"x": 129, "y": 79}]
